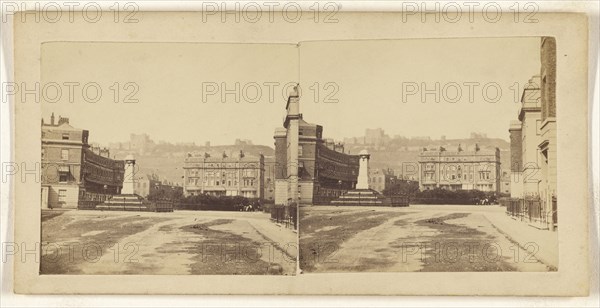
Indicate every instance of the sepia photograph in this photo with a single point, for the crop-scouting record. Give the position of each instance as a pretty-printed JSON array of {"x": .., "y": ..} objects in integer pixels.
[
  {"x": 407, "y": 170},
  {"x": 338, "y": 153},
  {"x": 167, "y": 172},
  {"x": 443, "y": 162}
]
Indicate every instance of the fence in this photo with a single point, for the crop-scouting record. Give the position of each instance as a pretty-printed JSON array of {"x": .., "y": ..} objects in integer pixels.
[
  {"x": 162, "y": 205},
  {"x": 399, "y": 200},
  {"x": 286, "y": 215},
  {"x": 531, "y": 209},
  {"x": 554, "y": 211},
  {"x": 87, "y": 204}
]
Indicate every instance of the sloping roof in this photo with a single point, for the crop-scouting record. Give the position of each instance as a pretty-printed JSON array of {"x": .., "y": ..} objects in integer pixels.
[{"x": 62, "y": 126}]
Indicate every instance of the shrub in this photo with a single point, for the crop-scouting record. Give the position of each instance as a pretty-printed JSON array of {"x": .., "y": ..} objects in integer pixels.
[
  {"x": 443, "y": 196},
  {"x": 215, "y": 203}
]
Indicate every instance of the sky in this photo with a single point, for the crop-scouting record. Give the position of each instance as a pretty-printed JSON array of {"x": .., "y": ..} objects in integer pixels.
[{"x": 346, "y": 86}]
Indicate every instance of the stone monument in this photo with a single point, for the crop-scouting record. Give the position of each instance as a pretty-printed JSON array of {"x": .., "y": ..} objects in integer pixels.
[
  {"x": 129, "y": 177},
  {"x": 127, "y": 200},
  {"x": 363, "y": 195},
  {"x": 363, "y": 170}
]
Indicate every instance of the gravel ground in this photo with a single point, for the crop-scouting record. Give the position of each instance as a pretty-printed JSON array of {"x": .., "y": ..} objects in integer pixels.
[
  {"x": 95, "y": 242},
  {"x": 420, "y": 238}
]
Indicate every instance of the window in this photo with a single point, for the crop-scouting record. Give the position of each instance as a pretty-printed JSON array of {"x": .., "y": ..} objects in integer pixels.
[
  {"x": 300, "y": 150},
  {"x": 43, "y": 153},
  {"x": 63, "y": 177},
  {"x": 65, "y": 136},
  {"x": 64, "y": 154},
  {"x": 62, "y": 195}
]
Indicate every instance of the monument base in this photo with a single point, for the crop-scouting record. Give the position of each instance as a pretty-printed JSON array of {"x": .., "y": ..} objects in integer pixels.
[
  {"x": 368, "y": 197},
  {"x": 129, "y": 202}
]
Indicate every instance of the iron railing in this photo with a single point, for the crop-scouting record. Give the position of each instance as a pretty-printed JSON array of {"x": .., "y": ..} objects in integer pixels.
[
  {"x": 285, "y": 215},
  {"x": 531, "y": 209}
]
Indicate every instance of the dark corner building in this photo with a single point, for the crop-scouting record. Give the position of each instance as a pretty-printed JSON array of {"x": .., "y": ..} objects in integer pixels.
[
  {"x": 73, "y": 171},
  {"x": 309, "y": 169}
]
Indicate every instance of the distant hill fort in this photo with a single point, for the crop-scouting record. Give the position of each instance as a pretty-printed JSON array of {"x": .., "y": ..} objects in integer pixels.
[{"x": 166, "y": 159}]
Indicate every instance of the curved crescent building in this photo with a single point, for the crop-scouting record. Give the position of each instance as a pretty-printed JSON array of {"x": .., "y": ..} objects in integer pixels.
[{"x": 309, "y": 169}]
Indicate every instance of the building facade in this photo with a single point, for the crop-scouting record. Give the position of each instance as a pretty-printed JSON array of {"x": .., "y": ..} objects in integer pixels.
[
  {"x": 547, "y": 145},
  {"x": 380, "y": 179},
  {"x": 537, "y": 127},
  {"x": 224, "y": 176},
  {"x": 309, "y": 169},
  {"x": 72, "y": 170},
  {"x": 269, "y": 183},
  {"x": 146, "y": 184},
  {"x": 516, "y": 159},
  {"x": 460, "y": 170},
  {"x": 530, "y": 118}
]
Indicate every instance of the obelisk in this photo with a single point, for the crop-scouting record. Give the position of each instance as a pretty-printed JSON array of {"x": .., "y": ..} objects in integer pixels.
[
  {"x": 129, "y": 177},
  {"x": 363, "y": 170}
]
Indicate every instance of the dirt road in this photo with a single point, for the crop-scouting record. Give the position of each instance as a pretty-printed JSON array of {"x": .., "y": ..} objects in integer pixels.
[
  {"x": 183, "y": 242},
  {"x": 418, "y": 238}
]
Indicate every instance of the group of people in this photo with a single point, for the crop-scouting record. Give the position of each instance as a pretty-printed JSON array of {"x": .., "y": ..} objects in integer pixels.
[
  {"x": 486, "y": 201},
  {"x": 250, "y": 207}
]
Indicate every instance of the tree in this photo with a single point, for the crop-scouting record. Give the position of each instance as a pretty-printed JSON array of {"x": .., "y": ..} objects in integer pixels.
[
  {"x": 165, "y": 193},
  {"x": 402, "y": 187}
]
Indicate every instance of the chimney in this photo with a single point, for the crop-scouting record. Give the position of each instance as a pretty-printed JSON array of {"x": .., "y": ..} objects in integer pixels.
[
  {"x": 105, "y": 152},
  {"x": 62, "y": 120},
  {"x": 52, "y": 119}
]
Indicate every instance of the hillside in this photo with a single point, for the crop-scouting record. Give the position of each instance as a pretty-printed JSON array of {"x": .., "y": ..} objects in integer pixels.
[{"x": 167, "y": 162}]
